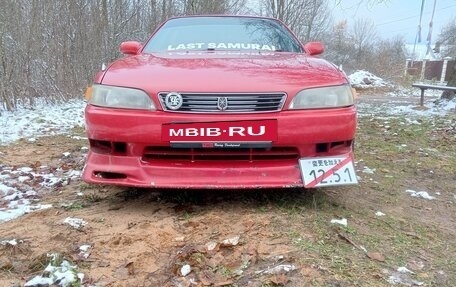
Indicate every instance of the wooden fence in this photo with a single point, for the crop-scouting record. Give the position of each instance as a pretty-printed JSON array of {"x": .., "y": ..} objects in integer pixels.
[{"x": 438, "y": 71}]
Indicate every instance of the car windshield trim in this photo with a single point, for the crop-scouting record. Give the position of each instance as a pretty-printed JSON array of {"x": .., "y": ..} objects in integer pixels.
[{"x": 225, "y": 33}]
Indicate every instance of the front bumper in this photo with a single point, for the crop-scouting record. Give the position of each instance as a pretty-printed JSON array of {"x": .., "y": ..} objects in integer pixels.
[{"x": 127, "y": 149}]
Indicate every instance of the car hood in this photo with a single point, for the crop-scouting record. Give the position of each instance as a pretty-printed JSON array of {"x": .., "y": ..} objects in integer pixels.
[{"x": 222, "y": 72}]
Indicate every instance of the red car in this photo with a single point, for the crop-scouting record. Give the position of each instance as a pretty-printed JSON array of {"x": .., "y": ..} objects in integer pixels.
[{"x": 221, "y": 102}]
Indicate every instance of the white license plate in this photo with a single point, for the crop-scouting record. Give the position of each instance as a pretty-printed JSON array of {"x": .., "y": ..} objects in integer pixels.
[{"x": 328, "y": 171}]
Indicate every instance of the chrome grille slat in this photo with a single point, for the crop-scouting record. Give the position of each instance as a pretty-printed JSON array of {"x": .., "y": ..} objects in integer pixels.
[
  {"x": 252, "y": 106},
  {"x": 200, "y": 103},
  {"x": 237, "y": 102}
]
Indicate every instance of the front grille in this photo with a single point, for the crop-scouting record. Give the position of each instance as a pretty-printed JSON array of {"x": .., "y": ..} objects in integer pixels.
[
  {"x": 214, "y": 154},
  {"x": 235, "y": 103}
]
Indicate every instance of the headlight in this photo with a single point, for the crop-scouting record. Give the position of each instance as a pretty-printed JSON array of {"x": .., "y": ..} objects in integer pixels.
[
  {"x": 117, "y": 97},
  {"x": 326, "y": 97}
]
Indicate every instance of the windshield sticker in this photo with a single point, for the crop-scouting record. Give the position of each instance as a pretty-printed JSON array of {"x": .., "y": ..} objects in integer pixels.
[
  {"x": 228, "y": 53},
  {"x": 221, "y": 46}
]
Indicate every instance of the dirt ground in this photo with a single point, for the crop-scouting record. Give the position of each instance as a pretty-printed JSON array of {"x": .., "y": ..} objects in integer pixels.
[{"x": 255, "y": 237}]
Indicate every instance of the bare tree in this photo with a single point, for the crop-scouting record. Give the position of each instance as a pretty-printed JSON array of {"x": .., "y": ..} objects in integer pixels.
[
  {"x": 447, "y": 39},
  {"x": 192, "y": 7},
  {"x": 338, "y": 44},
  {"x": 363, "y": 36},
  {"x": 51, "y": 49},
  {"x": 317, "y": 20},
  {"x": 389, "y": 57},
  {"x": 309, "y": 19},
  {"x": 357, "y": 47}
]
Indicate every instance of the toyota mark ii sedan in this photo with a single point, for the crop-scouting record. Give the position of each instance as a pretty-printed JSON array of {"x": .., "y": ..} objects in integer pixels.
[{"x": 220, "y": 102}]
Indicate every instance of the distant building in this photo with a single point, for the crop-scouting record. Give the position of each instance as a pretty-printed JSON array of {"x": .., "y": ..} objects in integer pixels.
[{"x": 421, "y": 52}]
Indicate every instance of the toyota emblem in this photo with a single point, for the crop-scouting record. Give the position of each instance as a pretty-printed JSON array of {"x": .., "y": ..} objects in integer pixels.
[{"x": 222, "y": 103}]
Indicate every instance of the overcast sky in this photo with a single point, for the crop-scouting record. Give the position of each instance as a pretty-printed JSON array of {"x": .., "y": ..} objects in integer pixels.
[{"x": 395, "y": 17}]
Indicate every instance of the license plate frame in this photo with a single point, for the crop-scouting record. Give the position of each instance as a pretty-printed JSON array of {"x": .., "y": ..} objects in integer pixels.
[{"x": 222, "y": 145}]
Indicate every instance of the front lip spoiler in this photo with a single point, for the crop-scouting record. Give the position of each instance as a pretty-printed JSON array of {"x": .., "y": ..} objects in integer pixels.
[{"x": 131, "y": 171}]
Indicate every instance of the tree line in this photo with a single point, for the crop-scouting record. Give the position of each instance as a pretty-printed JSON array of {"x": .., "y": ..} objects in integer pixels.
[{"x": 51, "y": 49}]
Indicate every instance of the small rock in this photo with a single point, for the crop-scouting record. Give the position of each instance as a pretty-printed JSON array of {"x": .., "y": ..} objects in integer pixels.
[
  {"x": 180, "y": 239},
  {"x": 376, "y": 256},
  {"x": 233, "y": 241},
  {"x": 210, "y": 246}
]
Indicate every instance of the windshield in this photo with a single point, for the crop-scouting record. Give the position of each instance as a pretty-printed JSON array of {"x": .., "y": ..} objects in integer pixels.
[{"x": 222, "y": 33}]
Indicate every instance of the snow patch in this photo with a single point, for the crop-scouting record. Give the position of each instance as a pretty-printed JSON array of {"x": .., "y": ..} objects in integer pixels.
[
  {"x": 421, "y": 194},
  {"x": 84, "y": 251},
  {"x": 43, "y": 119},
  {"x": 12, "y": 242},
  {"x": 185, "y": 270},
  {"x": 408, "y": 109},
  {"x": 64, "y": 274},
  {"x": 404, "y": 269},
  {"x": 75, "y": 222},
  {"x": 342, "y": 221},
  {"x": 19, "y": 188},
  {"x": 364, "y": 79},
  {"x": 279, "y": 269},
  {"x": 402, "y": 277},
  {"x": 368, "y": 170}
]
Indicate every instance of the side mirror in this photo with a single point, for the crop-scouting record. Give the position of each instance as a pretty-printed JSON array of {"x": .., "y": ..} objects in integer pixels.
[
  {"x": 130, "y": 47},
  {"x": 314, "y": 48}
]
